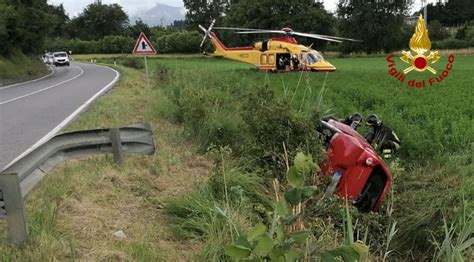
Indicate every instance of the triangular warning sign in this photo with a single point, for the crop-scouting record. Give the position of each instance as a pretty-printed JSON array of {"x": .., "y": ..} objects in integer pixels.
[{"x": 143, "y": 46}]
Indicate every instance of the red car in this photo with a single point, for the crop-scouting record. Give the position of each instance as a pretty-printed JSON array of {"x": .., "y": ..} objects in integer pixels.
[{"x": 360, "y": 174}]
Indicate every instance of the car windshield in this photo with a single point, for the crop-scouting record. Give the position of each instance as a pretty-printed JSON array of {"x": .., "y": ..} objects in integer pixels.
[{"x": 60, "y": 55}]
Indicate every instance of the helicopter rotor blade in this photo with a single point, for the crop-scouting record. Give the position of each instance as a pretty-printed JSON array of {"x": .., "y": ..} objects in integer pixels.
[
  {"x": 235, "y": 28},
  {"x": 207, "y": 32},
  {"x": 340, "y": 38},
  {"x": 316, "y": 37},
  {"x": 262, "y": 32},
  {"x": 204, "y": 37}
]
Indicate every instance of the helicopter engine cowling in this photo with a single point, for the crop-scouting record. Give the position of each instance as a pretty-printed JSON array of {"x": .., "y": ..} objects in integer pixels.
[{"x": 262, "y": 45}]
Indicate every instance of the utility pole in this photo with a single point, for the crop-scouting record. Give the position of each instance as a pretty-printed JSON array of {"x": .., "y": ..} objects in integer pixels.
[{"x": 424, "y": 4}]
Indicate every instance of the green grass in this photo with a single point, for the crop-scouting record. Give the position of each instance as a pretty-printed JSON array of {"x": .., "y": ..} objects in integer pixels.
[
  {"x": 432, "y": 122},
  {"x": 19, "y": 67},
  {"x": 434, "y": 125}
]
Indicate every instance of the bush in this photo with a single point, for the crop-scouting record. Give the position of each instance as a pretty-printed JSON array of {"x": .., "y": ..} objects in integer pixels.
[
  {"x": 132, "y": 62},
  {"x": 450, "y": 43},
  {"x": 116, "y": 44},
  {"x": 253, "y": 123},
  {"x": 106, "y": 45},
  {"x": 179, "y": 42}
]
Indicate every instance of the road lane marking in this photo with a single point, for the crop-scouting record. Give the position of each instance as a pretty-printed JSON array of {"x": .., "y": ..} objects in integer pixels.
[
  {"x": 31, "y": 81},
  {"x": 68, "y": 119},
  {"x": 43, "y": 89}
]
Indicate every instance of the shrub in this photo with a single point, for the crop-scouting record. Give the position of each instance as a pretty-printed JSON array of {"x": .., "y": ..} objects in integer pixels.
[
  {"x": 179, "y": 42},
  {"x": 132, "y": 62},
  {"x": 450, "y": 43},
  {"x": 270, "y": 123},
  {"x": 116, "y": 44}
]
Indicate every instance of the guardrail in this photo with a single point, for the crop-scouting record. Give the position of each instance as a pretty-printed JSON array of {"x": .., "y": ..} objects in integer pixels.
[{"x": 19, "y": 178}]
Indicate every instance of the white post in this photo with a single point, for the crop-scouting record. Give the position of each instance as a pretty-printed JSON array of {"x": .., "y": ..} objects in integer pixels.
[{"x": 146, "y": 70}]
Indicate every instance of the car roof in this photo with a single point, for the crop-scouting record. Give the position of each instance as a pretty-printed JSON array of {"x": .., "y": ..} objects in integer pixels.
[{"x": 60, "y": 53}]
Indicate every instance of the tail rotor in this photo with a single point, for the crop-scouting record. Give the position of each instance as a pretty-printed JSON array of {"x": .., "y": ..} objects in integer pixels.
[{"x": 207, "y": 32}]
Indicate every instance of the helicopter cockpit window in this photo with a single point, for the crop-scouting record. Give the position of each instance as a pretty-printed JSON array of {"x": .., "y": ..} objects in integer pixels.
[{"x": 311, "y": 58}]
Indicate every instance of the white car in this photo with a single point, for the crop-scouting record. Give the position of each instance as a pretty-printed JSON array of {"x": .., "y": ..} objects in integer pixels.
[
  {"x": 60, "y": 59},
  {"x": 48, "y": 58}
]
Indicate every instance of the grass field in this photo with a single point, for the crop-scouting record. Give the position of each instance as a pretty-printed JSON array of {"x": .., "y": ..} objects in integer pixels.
[{"x": 434, "y": 123}]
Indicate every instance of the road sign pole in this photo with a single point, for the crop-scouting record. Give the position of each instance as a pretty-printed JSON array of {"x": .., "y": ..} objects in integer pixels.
[
  {"x": 146, "y": 70},
  {"x": 144, "y": 47}
]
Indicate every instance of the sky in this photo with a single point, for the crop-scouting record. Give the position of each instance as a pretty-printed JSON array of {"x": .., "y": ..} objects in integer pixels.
[{"x": 134, "y": 7}]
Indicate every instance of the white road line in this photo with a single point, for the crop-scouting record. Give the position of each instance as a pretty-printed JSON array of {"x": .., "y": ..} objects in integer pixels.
[
  {"x": 31, "y": 81},
  {"x": 44, "y": 89},
  {"x": 67, "y": 120}
]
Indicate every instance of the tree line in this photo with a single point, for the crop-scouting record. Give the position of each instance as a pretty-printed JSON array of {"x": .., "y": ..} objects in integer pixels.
[{"x": 31, "y": 26}]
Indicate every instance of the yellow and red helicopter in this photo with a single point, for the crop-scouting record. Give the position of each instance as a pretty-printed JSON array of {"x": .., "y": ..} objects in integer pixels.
[{"x": 274, "y": 54}]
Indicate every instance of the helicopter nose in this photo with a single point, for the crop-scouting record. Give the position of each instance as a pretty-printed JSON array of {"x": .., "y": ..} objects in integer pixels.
[{"x": 323, "y": 66}]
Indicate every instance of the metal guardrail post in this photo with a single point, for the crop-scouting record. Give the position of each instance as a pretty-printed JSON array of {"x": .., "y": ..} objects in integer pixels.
[
  {"x": 14, "y": 207},
  {"x": 116, "y": 145}
]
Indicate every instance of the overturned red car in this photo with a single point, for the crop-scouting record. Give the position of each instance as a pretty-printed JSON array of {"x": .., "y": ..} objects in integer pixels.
[{"x": 358, "y": 172}]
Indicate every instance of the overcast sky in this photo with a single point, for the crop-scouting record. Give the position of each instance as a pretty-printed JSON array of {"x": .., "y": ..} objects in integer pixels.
[{"x": 133, "y": 7}]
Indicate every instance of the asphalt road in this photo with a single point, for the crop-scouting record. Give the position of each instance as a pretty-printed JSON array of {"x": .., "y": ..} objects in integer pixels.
[{"x": 33, "y": 111}]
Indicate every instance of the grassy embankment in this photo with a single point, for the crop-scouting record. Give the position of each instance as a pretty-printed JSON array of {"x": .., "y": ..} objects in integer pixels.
[
  {"x": 73, "y": 213},
  {"x": 19, "y": 67},
  {"x": 434, "y": 179}
]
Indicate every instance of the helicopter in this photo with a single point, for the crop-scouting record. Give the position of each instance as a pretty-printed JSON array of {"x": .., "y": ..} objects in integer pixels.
[{"x": 277, "y": 54}]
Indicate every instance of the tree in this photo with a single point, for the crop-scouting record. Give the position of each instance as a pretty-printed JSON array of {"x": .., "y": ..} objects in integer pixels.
[
  {"x": 437, "y": 31},
  {"x": 99, "y": 20},
  {"x": 377, "y": 23},
  {"x": 301, "y": 15},
  {"x": 23, "y": 26},
  {"x": 139, "y": 26},
  {"x": 59, "y": 20},
  {"x": 451, "y": 13},
  {"x": 204, "y": 11}
]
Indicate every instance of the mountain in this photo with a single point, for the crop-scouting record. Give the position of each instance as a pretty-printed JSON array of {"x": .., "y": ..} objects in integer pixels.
[{"x": 160, "y": 15}]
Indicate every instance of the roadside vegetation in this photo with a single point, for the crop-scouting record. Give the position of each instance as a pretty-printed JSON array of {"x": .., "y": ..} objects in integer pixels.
[
  {"x": 74, "y": 212},
  {"x": 19, "y": 67},
  {"x": 223, "y": 104}
]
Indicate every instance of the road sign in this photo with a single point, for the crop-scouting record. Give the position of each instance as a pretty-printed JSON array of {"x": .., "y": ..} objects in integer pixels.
[{"x": 143, "y": 46}]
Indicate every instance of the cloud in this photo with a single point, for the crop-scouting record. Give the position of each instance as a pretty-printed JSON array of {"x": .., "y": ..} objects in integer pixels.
[{"x": 132, "y": 7}]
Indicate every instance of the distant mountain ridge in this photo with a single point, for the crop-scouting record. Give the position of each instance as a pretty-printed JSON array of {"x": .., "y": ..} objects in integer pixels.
[{"x": 160, "y": 15}]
